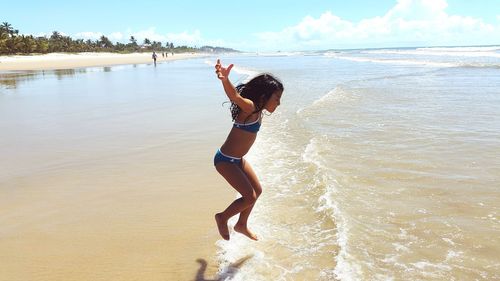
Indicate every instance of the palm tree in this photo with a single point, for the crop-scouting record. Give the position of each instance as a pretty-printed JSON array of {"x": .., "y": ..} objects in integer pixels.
[
  {"x": 42, "y": 45},
  {"x": 105, "y": 42},
  {"x": 11, "y": 42},
  {"x": 133, "y": 44},
  {"x": 156, "y": 45},
  {"x": 4, "y": 35},
  {"x": 29, "y": 42},
  {"x": 7, "y": 27},
  {"x": 56, "y": 43},
  {"x": 55, "y": 35}
]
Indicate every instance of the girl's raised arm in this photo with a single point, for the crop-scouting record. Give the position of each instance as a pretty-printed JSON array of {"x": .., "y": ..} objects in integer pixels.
[{"x": 223, "y": 74}]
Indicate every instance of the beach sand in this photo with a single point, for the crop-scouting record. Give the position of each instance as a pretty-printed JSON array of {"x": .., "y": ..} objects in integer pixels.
[
  {"x": 82, "y": 223},
  {"x": 65, "y": 61},
  {"x": 104, "y": 177}
]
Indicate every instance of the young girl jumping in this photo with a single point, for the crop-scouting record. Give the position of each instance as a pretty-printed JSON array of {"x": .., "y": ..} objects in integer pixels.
[{"x": 247, "y": 102}]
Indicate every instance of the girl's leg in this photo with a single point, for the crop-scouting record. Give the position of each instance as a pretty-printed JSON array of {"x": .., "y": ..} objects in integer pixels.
[
  {"x": 241, "y": 225},
  {"x": 235, "y": 176}
]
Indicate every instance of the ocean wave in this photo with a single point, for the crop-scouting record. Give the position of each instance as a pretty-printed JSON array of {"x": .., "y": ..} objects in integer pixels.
[
  {"x": 416, "y": 62},
  {"x": 395, "y": 61},
  {"x": 463, "y": 49},
  {"x": 281, "y": 54},
  {"x": 340, "y": 92},
  {"x": 438, "y": 52},
  {"x": 248, "y": 73},
  {"x": 345, "y": 269}
]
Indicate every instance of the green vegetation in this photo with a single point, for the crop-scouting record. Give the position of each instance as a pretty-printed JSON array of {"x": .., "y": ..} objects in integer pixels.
[{"x": 12, "y": 43}]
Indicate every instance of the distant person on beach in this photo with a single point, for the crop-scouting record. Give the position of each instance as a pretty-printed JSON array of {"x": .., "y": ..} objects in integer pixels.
[
  {"x": 154, "y": 57},
  {"x": 247, "y": 104}
]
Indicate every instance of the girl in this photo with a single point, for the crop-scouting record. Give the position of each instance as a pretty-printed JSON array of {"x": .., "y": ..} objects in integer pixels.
[{"x": 247, "y": 102}]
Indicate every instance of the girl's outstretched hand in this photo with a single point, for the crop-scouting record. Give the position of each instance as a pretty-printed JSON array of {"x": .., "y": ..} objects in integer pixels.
[{"x": 222, "y": 72}]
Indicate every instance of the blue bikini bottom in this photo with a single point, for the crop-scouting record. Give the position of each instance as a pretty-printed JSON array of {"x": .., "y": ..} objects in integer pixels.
[{"x": 221, "y": 157}]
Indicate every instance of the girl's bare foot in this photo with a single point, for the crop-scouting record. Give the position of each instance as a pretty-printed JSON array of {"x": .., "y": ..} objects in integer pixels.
[
  {"x": 222, "y": 226},
  {"x": 243, "y": 229}
]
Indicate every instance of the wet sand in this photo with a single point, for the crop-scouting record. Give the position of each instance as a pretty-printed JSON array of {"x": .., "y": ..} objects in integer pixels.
[
  {"x": 143, "y": 222},
  {"x": 105, "y": 175}
]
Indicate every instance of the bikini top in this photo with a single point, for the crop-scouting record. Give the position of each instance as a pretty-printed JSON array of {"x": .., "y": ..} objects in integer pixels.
[{"x": 252, "y": 127}]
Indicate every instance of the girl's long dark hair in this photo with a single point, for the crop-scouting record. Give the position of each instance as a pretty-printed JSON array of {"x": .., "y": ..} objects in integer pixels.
[{"x": 259, "y": 90}]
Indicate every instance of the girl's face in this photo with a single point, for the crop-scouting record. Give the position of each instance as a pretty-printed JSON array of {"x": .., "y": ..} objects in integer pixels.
[{"x": 273, "y": 102}]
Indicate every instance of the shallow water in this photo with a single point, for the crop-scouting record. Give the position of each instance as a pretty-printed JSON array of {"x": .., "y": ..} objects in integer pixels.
[{"x": 377, "y": 170}]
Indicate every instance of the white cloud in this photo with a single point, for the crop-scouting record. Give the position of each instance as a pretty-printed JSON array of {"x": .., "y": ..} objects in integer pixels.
[
  {"x": 183, "y": 38},
  {"x": 408, "y": 23},
  {"x": 150, "y": 34},
  {"x": 116, "y": 36},
  {"x": 40, "y": 34},
  {"x": 88, "y": 35},
  {"x": 43, "y": 34},
  {"x": 418, "y": 9}
]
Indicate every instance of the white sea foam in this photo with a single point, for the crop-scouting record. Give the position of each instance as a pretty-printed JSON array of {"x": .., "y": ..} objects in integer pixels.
[
  {"x": 331, "y": 96},
  {"x": 453, "y": 254},
  {"x": 425, "y": 265},
  {"x": 345, "y": 268},
  {"x": 280, "y": 54},
  {"x": 479, "y": 57},
  {"x": 462, "y": 49},
  {"x": 248, "y": 73},
  {"x": 281, "y": 170},
  {"x": 396, "y": 61},
  {"x": 449, "y": 241},
  {"x": 451, "y": 52}
]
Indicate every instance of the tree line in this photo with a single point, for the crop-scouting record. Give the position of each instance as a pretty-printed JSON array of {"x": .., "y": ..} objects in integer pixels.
[{"x": 13, "y": 43}]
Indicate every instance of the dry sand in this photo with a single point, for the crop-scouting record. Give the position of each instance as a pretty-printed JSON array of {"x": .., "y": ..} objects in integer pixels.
[{"x": 64, "y": 61}]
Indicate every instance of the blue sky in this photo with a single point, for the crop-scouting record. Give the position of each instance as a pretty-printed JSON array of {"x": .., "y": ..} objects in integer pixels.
[{"x": 260, "y": 25}]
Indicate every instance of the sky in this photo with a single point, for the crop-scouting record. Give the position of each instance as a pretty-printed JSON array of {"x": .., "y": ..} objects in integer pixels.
[{"x": 265, "y": 25}]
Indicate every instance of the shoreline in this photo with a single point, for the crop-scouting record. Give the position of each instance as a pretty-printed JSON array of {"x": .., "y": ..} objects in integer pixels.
[{"x": 54, "y": 61}]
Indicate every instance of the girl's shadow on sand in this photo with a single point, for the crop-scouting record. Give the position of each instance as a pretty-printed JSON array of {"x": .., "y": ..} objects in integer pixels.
[{"x": 227, "y": 274}]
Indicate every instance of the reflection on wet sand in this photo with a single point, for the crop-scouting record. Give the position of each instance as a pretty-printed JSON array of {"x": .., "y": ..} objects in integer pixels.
[{"x": 11, "y": 80}]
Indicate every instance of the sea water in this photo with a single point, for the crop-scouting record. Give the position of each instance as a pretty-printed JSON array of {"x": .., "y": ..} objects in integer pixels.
[{"x": 378, "y": 165}]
